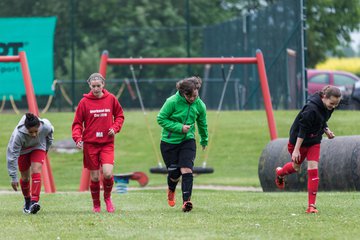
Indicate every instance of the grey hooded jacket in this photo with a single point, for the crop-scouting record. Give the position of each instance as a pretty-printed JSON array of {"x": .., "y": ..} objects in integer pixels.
[{"x": 22, "y": 143}]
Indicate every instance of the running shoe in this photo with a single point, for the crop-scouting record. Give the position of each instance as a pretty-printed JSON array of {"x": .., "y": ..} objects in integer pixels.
[
  {"x": 311, "y": 209},
  {"x": 279, "y": 180},
  {"x": 34, "y": 208},
  {"x": 109, "y": 205},
  {"x": 171, "y": 198},
  {"x": 187, "y": 206}
]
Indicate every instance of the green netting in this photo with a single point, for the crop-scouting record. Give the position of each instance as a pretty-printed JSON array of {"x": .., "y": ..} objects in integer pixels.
[{"x": 277, "y": 32}]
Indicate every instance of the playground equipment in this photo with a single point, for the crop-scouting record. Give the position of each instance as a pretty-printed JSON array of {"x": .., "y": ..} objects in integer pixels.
[
  {"x": 258, "y": 60},
  {"x": 339, "y": 165},
  {"x": 47, "y": 176},
  {"x": 122, "y": 180}
]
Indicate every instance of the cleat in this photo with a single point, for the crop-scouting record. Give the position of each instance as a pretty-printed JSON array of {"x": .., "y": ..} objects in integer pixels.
[
  {"x": 96, "y": 209},
  {"x": 279, "y": 180},
  {"x": 34, "y": 208},
  {"x": 109, "y": 205},
  {"x": 187, "y": 206},
  {"x": 311, "y": 209},
  {"x": 26, "y": 209},
  {"x": 171, "y": 198}
]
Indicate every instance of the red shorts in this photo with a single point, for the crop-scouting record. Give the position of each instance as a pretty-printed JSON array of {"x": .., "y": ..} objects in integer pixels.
[
  {"x": 311, "y": 153},
  {"x": 25, "y": 160},
  {"x": 95, "y": 155}
]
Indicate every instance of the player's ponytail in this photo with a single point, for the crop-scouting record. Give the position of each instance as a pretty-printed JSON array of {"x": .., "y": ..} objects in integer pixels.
[
  {"x": 31, "y": 121},
  {"x": 329, "y": 91}
]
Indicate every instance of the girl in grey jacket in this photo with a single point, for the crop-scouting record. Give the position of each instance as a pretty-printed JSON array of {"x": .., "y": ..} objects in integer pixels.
[{"x": 27, "y": 149}]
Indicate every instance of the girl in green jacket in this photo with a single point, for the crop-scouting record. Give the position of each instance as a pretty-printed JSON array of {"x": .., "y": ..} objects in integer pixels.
[{"x": 177, "y": 118}]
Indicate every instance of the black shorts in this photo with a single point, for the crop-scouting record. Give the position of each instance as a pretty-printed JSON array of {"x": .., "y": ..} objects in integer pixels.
[{"x": 180, "y": 155}]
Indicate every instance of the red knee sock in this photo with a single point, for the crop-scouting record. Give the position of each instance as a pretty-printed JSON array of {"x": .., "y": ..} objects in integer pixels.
[
  {"x": 35, "y": 187},
  {"x": 313, "y": 184},
  {"x": 287, "y": 169},
  {"x": 108, "y": 186},
  {"x": 95, "y": 192},
  {"x": 25, "y": 188}
]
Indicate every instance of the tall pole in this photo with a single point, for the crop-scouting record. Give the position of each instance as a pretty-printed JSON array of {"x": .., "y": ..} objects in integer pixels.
[
  {"x": 303, "y": 49},
  {"x": 188, "y": 42},
  {"x": 72, "y": 36}
]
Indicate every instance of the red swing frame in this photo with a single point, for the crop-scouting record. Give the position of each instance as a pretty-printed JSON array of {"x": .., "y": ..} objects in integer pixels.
[{"x": 258, "y": 60}]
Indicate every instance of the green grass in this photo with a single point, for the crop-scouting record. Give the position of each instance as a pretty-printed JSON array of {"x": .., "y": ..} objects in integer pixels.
[
  {"x": 238, "y": 142},
  {"x": 216, "y": 215}
]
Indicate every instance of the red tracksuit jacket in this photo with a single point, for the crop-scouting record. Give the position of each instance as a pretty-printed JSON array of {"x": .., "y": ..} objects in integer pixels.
[{"x": 95, "y": 116}]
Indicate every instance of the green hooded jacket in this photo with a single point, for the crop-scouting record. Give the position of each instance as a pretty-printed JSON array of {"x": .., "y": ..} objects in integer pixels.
[{"x": 177, "y": 112}]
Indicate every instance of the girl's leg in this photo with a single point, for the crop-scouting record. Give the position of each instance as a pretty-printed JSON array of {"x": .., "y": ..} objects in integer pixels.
[
  {"x": 95, "y": 189},
  {"x": 108, "y": 186},
  {"x": 35, "y": 181},
  {"x": 25, "y": 188},
  {"x": 313, "y": 183},
  {"x": 186, "y": 186}
]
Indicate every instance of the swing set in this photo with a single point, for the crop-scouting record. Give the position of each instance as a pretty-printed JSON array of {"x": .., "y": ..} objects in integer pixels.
[{"x": 258, "y": 60}]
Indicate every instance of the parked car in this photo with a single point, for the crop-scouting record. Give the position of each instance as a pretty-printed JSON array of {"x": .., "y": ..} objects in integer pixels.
[
  {"x": 317, "y": 79},
  {"x": 354, "y": 102}
]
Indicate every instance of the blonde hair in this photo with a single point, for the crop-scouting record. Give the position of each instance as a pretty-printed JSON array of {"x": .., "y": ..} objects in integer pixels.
[{"x": 95, "y": 77}]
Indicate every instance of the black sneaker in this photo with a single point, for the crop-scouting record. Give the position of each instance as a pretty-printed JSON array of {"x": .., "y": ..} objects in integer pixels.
[
  {"x": 187, "y": 206},
  {"x": 34, "y": 208},
  {"x": 27, "y": 204}
]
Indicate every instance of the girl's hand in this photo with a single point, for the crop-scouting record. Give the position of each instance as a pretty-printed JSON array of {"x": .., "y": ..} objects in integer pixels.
[
  {"x": 15, "y": 185},
  {"x": 329, "y": 133},
  {"x": 111, "y": 132},
  {"x": 186, "y": 128},
  {"x": 296, "y": 156},
  {"x": 80, "y": 144}
]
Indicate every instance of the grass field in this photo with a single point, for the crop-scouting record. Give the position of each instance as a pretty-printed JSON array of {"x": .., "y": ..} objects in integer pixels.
[{"x": 237, "y": 144}]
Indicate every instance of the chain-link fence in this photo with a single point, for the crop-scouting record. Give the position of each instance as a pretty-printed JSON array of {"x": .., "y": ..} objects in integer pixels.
[{"x": 275, "y": 30}]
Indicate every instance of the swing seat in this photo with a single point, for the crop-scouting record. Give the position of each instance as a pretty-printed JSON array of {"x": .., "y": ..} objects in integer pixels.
[
  {"x": 196, "y": 170},
  {"x": 140, "y": 177}
]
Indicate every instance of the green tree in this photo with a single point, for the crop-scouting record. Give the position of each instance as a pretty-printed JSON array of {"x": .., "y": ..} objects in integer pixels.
[{"x": 330, "y": 23}]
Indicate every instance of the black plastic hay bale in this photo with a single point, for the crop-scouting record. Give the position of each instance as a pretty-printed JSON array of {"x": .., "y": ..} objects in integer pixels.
[{"x": 339, "y": 166}]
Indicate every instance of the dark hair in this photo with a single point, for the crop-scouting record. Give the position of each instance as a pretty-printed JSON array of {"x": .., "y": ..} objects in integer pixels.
[
  {"x": 31, "y": 121},
  {"x": 96, "y": 76},
  {"x": 188, "y": 85},
  {"x": 329, "y": 91}
]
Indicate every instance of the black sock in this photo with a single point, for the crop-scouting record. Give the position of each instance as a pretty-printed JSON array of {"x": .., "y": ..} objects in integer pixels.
[
  {"x": 187, "y": 185},
  {"x": 171, "y": 184},
  {"x": 27, "y": 202}
]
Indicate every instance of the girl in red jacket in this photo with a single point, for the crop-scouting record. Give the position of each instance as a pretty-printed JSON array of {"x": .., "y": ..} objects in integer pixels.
[{"x": 99, "y": 116}]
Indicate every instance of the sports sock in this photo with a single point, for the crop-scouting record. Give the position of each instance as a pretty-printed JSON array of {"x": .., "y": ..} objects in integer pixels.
[
  {"x": 313, "y": 184},
  {"x": 186, "y": 186},
  {"x": 25, "y": 188},
  {"x": 108, "y": 186},
  {"x": 35, "y": 187},
  {"x": 171, "y": 184},
  {"x": 287, "y": 169},
  {"x": 95, "y": 192}
]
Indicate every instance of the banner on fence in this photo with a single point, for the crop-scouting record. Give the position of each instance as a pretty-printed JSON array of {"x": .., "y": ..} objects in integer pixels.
[{"x": 35, "y": 36}]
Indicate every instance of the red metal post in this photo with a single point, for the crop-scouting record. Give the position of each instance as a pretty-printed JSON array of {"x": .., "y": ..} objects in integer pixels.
[
  {"x": 47, "y": 176},
  {"x": 266, "y": 95},
  {"x": 85, "y": 180},
  {"x": 103, "y": 63}
]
